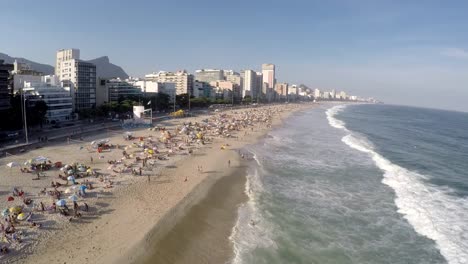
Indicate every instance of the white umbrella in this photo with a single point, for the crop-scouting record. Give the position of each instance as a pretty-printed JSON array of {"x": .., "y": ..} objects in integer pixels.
[
  {"x": 73, "y": 198},
  {"x": 70, "y": 178},
  {"x": 68, "y": 190},
  {"x": 41, "y": 159}
]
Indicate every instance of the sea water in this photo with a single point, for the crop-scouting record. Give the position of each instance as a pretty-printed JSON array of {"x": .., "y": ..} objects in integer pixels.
[{"x": 358, "y": 184}]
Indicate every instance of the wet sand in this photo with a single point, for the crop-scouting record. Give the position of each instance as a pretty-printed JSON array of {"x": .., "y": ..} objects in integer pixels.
[{"x": 202, "y": 236}]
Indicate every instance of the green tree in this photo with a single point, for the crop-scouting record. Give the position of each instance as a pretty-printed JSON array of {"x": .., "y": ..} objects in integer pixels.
[
  {"x": 247, "y": 99},
  {"x": 182, "y": 100}
]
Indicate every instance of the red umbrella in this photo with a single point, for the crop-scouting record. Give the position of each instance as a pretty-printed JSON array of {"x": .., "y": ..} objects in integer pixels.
[{"x": 10, "y": 198}]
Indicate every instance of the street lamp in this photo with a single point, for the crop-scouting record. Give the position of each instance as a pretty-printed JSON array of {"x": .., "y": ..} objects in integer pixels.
[{"x": 23, "y": 102}]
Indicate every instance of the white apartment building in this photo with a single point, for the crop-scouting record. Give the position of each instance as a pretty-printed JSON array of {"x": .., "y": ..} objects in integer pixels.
[
  {"x": 268, "y": 72},
  {"x": 183, "y": 81},
  {"x": 80, "y": 77},
  {"x": 209, "y": 75},
  {"x": 58, "y": 99},
  {"x": 65, "y": 55},
  {"x": 250, "y": 84},
  {"x": 317, "y": 93}
]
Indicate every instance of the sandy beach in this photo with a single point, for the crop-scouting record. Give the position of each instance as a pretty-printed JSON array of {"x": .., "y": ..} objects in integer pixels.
[{"x": 130, "y": 214}]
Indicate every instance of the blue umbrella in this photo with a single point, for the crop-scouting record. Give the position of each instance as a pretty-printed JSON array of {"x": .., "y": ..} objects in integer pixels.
[
  {"x": 83, "y": 187},
  {"x": 61, "y": 202}
]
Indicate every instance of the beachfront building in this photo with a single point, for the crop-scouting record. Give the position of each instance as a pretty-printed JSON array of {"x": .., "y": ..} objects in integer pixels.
[
  {"x": 250, "y": 84},
  {"x": 80, "y": 77},
  {"x": 202, "y": 89},
  {"x": 120, "y": 90},
  {"x": 281, "y": 90},
  {"x": 58, "y": 99},
  {"x": 333, "y": 94},
  {"x": 293, "y": 92},
  {"x": 5, "y": 85},
  {"x": 182, "y": 80},
  {"x": 268, "y": 72},
  {"x": 64, "y": 55},
  {"x": 317, "y": 93},
  {"x": 209, "y": 75},
  {"x": 343, "y": 95},
  {"x": 226, "y": 90}
]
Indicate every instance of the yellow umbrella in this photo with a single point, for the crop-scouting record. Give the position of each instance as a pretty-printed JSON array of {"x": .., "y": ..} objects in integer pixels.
[
  {"x": 21, "y": 216},
  {"x": 89, "y": 170},
  {"x": 15, "y": 210}
]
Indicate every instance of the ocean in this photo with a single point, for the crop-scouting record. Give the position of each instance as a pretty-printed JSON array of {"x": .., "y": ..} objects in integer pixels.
[{"x": 358, "y": 184}]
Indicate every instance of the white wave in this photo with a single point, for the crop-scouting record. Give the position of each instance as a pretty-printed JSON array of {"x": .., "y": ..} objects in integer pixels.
[
  {"x": 245, "y": 236},
  {"x": 336, "y": 123},
  {"x": 429, "y": 209}
]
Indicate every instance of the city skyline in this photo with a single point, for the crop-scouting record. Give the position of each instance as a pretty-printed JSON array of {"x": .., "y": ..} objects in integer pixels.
[{"x": 397, "y": 52}]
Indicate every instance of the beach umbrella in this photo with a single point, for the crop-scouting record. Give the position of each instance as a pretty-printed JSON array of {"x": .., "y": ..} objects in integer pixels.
[
  {"x": 21, "y": 216},
  {"x": 83, "y": 188},
  {"x": 15, "y": 210},
  {"x": 82, "y": 169},
  {"x": 10, "y": 198},
  {"x": 69, "y": 172},
  {"x": 71, "y": 178},
  {"x": 61, "y": 203},
  {"x": 89, "y": 170},
  {"x": 5, "y": 213},
  {"x": 73, "y": 198},
  {"x": 28, "y": 162},
  {"x": 68, "y": 190},
  {"x": 41, "y": 159}
]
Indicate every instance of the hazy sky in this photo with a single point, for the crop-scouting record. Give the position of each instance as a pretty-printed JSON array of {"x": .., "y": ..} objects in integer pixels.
[{"x": 402, "y": 52}]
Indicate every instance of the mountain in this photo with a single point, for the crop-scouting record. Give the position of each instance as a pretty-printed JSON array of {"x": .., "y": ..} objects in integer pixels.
[
  {"x": 106, "y": 69},
  {"x": 44, "y": 68}
]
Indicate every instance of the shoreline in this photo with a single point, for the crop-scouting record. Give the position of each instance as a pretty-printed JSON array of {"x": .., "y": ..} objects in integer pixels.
[{"x": 139, "y": 213}]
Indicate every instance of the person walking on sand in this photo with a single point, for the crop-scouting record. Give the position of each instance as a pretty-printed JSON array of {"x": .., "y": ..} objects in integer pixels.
[
  {"x": 149, "y": 178},
  {"x": 91, "y": 160},
  {"x": 140, "y": 171},
  {"x": 229, "y": 163}
]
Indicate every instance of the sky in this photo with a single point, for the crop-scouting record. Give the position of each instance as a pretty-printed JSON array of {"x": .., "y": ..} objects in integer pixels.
[{"x": 401, "y": 52}]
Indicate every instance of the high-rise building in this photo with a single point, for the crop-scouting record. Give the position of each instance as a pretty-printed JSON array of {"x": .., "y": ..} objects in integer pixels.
[
  {"x": 80, "y": 77},
  {"x": 5, "y": 85},
  {"x": 65, "y": 55},
  {"x": 268, "y": 71},
  {"x": 209, "y": 75},
  {"x": 183, "y": 81},
  {"x": 250, "y": 84}
]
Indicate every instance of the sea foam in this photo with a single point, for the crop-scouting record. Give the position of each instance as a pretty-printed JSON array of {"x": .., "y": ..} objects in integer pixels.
[
  {"x": 245, "y": 236},
  {"x": 430, "y": 210}
]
